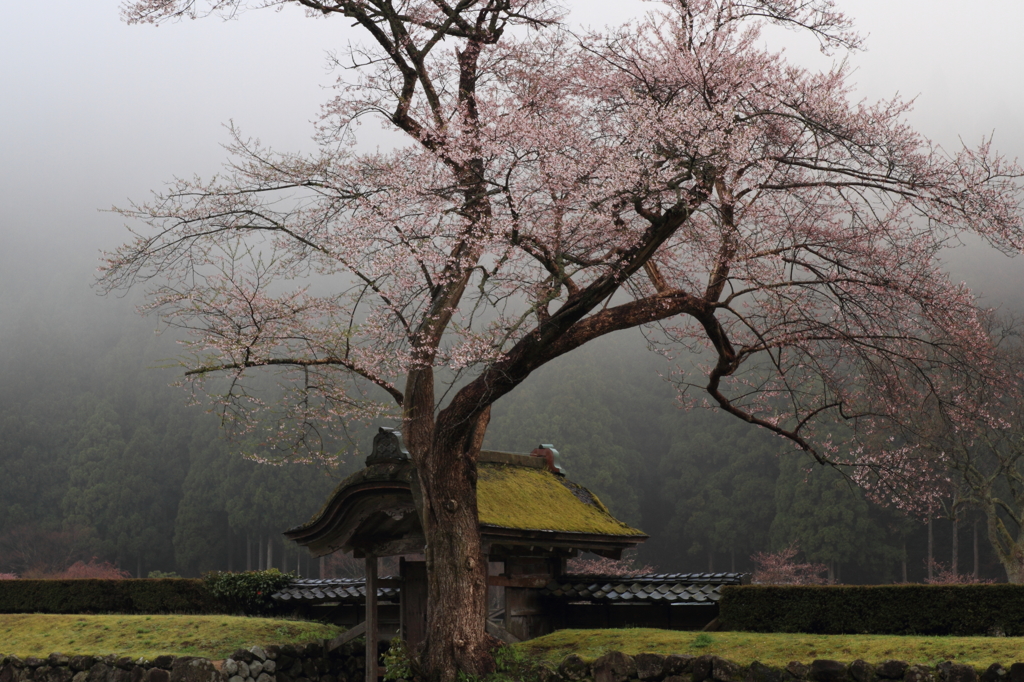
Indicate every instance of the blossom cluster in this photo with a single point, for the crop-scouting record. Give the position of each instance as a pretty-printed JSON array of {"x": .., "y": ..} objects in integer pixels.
[
  {"x": 553, "y": 188},
  {"x": 780, "y": 568}
]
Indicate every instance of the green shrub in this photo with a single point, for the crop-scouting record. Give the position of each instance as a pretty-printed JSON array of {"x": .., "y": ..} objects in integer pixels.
[
  {"x": 249, "y": 591},
  {"x": 962, "y": 610},
  {"x": 108, "y": 596},
  {"x": 397, "y": 661},
  {"x": 512, "y": 665},
  {"x": 216, "y": 593},
  {"x": 165, "y": 596}
]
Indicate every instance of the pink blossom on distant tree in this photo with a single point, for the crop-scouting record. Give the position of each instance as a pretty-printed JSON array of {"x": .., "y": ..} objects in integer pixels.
[
  {"x": 780, "y": 568},
  {"x": 93, "y": 569},
  {"x": 598, "y": 565},
  {"x": 945, "y": 575}
]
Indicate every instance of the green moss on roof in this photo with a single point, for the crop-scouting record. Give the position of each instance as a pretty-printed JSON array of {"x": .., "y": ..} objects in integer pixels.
[{"x": 535, "y": 499}]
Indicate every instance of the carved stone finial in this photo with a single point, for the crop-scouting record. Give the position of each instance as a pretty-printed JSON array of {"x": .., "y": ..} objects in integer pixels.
[
  {"x": 387, "y": 447},
  {"x": 551, "y": 456}
]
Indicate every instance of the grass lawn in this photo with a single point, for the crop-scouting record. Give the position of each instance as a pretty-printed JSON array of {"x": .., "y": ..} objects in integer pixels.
[
  {"x": 212, "y": 637},
  {"x": 777, "y": 649}
]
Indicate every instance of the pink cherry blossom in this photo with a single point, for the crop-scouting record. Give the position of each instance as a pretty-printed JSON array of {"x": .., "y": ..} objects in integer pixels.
[
  {"x": 670, "y": 172},
  {"x": 780, "y": 240}
]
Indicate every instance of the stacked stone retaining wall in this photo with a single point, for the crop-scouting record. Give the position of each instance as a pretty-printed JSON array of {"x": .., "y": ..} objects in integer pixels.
[
  {"x": 310, "y": 664},
  {"x": 619, "y": 667},
  {"x": 273, "y": 664}
]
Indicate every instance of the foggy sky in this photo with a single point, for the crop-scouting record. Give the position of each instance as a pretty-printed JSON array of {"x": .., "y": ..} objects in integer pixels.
[{"x": 94, "y": 112}]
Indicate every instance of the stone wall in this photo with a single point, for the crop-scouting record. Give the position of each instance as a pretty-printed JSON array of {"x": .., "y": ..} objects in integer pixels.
[
  {"x": 618, "y": 667},
  {"x": 309, "y": 664},
  {"x": 288, "y": 663}
]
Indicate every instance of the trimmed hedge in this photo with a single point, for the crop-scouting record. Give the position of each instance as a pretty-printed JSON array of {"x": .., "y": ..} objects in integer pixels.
[
  {"x": 879, "y": 610},
  {"x": 110, "y": 596},
  {"x": 250, "y": 591}
]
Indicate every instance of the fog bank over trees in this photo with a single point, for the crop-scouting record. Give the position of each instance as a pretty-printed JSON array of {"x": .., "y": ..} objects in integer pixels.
[{"x": 100, "y": 456}]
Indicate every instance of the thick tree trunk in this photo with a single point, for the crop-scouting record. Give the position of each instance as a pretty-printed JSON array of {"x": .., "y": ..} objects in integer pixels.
[
  {"x": 1014, "y": 565},
  {"x": 457, "y": 639},
  {"x": 456, "y": 568},
  {"x": 1009, "y": 549}
]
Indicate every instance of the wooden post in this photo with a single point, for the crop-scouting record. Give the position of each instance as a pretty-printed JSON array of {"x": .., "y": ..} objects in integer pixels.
[
  {"x": 413, "y": 604},
  {"x": 371, "y": 618},
  {"x": 402, "y": 602}
]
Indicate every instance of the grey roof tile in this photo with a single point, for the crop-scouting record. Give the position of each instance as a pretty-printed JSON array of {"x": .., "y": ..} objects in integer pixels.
[
  {"x": 673, "y": 588},
  {"x": 659, "y": 588}
]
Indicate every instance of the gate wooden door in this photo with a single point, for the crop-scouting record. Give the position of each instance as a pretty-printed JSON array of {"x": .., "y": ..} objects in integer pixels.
[{"x": 413, "y": 601}]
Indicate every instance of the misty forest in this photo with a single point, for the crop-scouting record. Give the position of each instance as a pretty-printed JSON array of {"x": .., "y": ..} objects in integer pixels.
[
  {"x": 101, "y": 457},
  {"x": 699, "y": 259},
  {"x": 104, "y": 459}
]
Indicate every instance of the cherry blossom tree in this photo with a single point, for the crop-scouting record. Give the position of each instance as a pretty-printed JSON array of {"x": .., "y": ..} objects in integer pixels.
[
  {"x": 103, "y": 570},
  {"x": 779, "y": 568},
  {"x": 553, "y": 189},
  {"x": 984, "y": 458},
  {"x": 625, "y": 567}
]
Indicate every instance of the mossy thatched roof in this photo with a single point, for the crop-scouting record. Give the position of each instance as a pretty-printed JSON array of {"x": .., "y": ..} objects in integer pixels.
[
  {"x": 535, "y": 499},
  {"x": 514, "y": 493}
]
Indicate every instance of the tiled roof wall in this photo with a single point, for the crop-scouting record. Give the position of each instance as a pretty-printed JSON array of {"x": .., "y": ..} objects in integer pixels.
[
  {"x": 682, "y": 578},
  {"x": 348, "y": 590},
  {"x": 671, "y": 588}
]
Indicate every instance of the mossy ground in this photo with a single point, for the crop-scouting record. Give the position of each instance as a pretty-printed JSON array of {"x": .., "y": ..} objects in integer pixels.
[
  {"x": 777, "y": 649},
  {"x": 212, "y": 637}
]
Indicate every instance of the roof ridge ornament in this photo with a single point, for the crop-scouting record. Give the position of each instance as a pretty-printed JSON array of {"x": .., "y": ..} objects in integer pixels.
[
  {"x": 551, "y": 456},
  {"x": 387, "y": 447}
]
